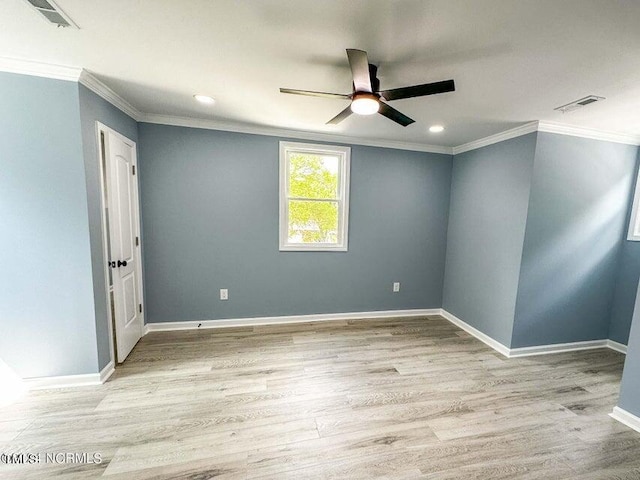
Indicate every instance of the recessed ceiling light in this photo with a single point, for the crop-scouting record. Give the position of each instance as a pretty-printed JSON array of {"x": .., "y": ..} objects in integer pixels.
[
  {"x": 436, "y": 128},
  {"x": 205, "y": 99}
]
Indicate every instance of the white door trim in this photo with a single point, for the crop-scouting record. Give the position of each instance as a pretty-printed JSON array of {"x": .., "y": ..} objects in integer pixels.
[{"x": 100, "y": 127}]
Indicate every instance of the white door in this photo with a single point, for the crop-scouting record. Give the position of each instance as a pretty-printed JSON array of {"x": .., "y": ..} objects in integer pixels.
[{"x": 122, "y": 199}]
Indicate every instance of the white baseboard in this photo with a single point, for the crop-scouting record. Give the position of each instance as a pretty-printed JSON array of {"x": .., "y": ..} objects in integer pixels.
[
  {"x": 499, "y": 347},
  {"x": 628, "y": 419},
  {"x": 62, "y": 381},
  {"x": 556, "y": 348},
  {"x": 618, "y": 413},
  {"x": 65, "y": 381},
  {"x": 618, "y": 347},
  {"x": 535, "y": 350},
  {"x": 107, "y": 371},
  {"x": 496, "y": 345},
  {"x": 249, "y": 322}
]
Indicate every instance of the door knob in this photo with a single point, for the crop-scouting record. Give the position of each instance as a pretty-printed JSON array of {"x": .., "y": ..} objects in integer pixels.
[
  {"x": 112, "y": 264},
  {"x": 122, "y": 263}
]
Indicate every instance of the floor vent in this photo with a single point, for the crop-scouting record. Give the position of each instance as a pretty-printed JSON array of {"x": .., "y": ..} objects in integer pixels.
[
  {"x": 583, "y": 102},
  {"x": 52, "y": 13}
]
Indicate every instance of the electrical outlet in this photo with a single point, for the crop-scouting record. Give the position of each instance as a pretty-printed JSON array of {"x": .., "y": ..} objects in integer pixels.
[
  {"x": 396, "y": 286},
  {"x": 224, "y": 294}
]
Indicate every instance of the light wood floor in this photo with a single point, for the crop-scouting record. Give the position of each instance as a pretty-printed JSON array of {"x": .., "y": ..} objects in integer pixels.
[{"x": 395, "y": 399}]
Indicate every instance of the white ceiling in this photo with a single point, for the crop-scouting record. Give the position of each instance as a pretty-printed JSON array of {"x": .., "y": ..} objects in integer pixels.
[{"x": 513, "y": 60}]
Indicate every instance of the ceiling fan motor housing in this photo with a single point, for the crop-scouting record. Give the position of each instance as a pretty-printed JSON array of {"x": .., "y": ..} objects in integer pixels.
[
  {"x": 373, "y": 73},
  {"x": 366, "y": 96}
]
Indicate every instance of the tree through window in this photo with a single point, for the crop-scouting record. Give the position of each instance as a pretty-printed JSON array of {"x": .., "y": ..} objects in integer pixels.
[{"x": 314, "y": 186}]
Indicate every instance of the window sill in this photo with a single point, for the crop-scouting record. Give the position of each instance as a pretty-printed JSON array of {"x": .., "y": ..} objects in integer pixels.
[{"x": 307, "y": 248}]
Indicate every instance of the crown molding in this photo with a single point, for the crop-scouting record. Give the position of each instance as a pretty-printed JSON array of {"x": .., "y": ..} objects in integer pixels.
[
  {"x": 76, "y": 74},
  {"x": 71, "y": 74},
  {"x": 497, "y": 138},
  {"x": 549, "y": 127},
  {"x": 562, "y": 129},
  {"x": 39, "y": 69},
  {"x": 287, "y": 133},
  {"x": 99, "y": 88}
]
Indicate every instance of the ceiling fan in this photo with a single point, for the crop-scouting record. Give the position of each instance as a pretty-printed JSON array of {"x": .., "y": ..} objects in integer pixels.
[{"x": 366, "y": 98}]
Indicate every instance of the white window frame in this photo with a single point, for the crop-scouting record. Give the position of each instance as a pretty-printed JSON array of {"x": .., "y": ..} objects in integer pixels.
[
  {"x": 344, "y": 156},
  {"x": 634, "y": 225}
]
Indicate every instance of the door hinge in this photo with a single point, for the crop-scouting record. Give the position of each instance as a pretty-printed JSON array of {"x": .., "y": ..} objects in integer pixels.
[
  {"x": 140, "y": 307},
  {"x": 133, "y": 169},
  {"x": 137, "y": 241}
]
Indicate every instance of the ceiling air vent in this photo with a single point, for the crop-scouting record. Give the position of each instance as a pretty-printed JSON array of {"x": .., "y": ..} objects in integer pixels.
[
  {"x": 52, "y": 13},
  {"x": 583, "y": 102}
]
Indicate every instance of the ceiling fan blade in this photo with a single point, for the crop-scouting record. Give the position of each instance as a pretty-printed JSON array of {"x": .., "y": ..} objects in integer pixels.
[
  {"x": 393, "y": 114},
  {"x": 341, "y": 116},
  {"x": 314, "y": 94},
  {"x": 419, "y": 90},
  {"x": 360, "y": 69}
]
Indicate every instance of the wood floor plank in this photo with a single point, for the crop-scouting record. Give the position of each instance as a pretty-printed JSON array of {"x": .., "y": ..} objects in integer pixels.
[{"x": 406, "y": 398}]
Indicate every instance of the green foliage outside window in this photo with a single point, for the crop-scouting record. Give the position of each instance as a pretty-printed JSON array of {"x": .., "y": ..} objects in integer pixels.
[{"x": 313, "y": 182}]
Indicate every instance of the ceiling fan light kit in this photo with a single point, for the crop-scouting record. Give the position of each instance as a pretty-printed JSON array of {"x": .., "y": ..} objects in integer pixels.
[
  {"x": 366, "y": 96},
  {"x": 365, "y": 104}
]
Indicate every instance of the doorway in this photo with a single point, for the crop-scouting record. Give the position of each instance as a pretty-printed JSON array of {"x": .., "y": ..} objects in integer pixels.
[{"x": 121, "y": 239}]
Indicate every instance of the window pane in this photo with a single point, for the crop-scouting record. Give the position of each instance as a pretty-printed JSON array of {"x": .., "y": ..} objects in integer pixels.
[
  {"x": 313, "y": 222},
  {"x": 313, "y": 176}
]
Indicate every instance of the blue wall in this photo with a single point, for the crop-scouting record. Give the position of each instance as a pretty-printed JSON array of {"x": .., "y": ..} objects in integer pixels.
[
  {"x": 628, "y": 276},
  {"x": 627, "y": 280},
  {"x": 46, "y": 291},
  {"x": 489, "y": 196},
  {"x": 630, "y": 386},
  {"x": 93, "y": 108},
  {"x": 210, "y": 209},
  {"x": 576, "y": 223}
]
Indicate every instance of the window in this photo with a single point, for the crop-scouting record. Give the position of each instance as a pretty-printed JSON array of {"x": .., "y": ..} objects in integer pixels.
[
  {"x": 634, "y": 226},
  {"x": 314, "y": 197}
]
